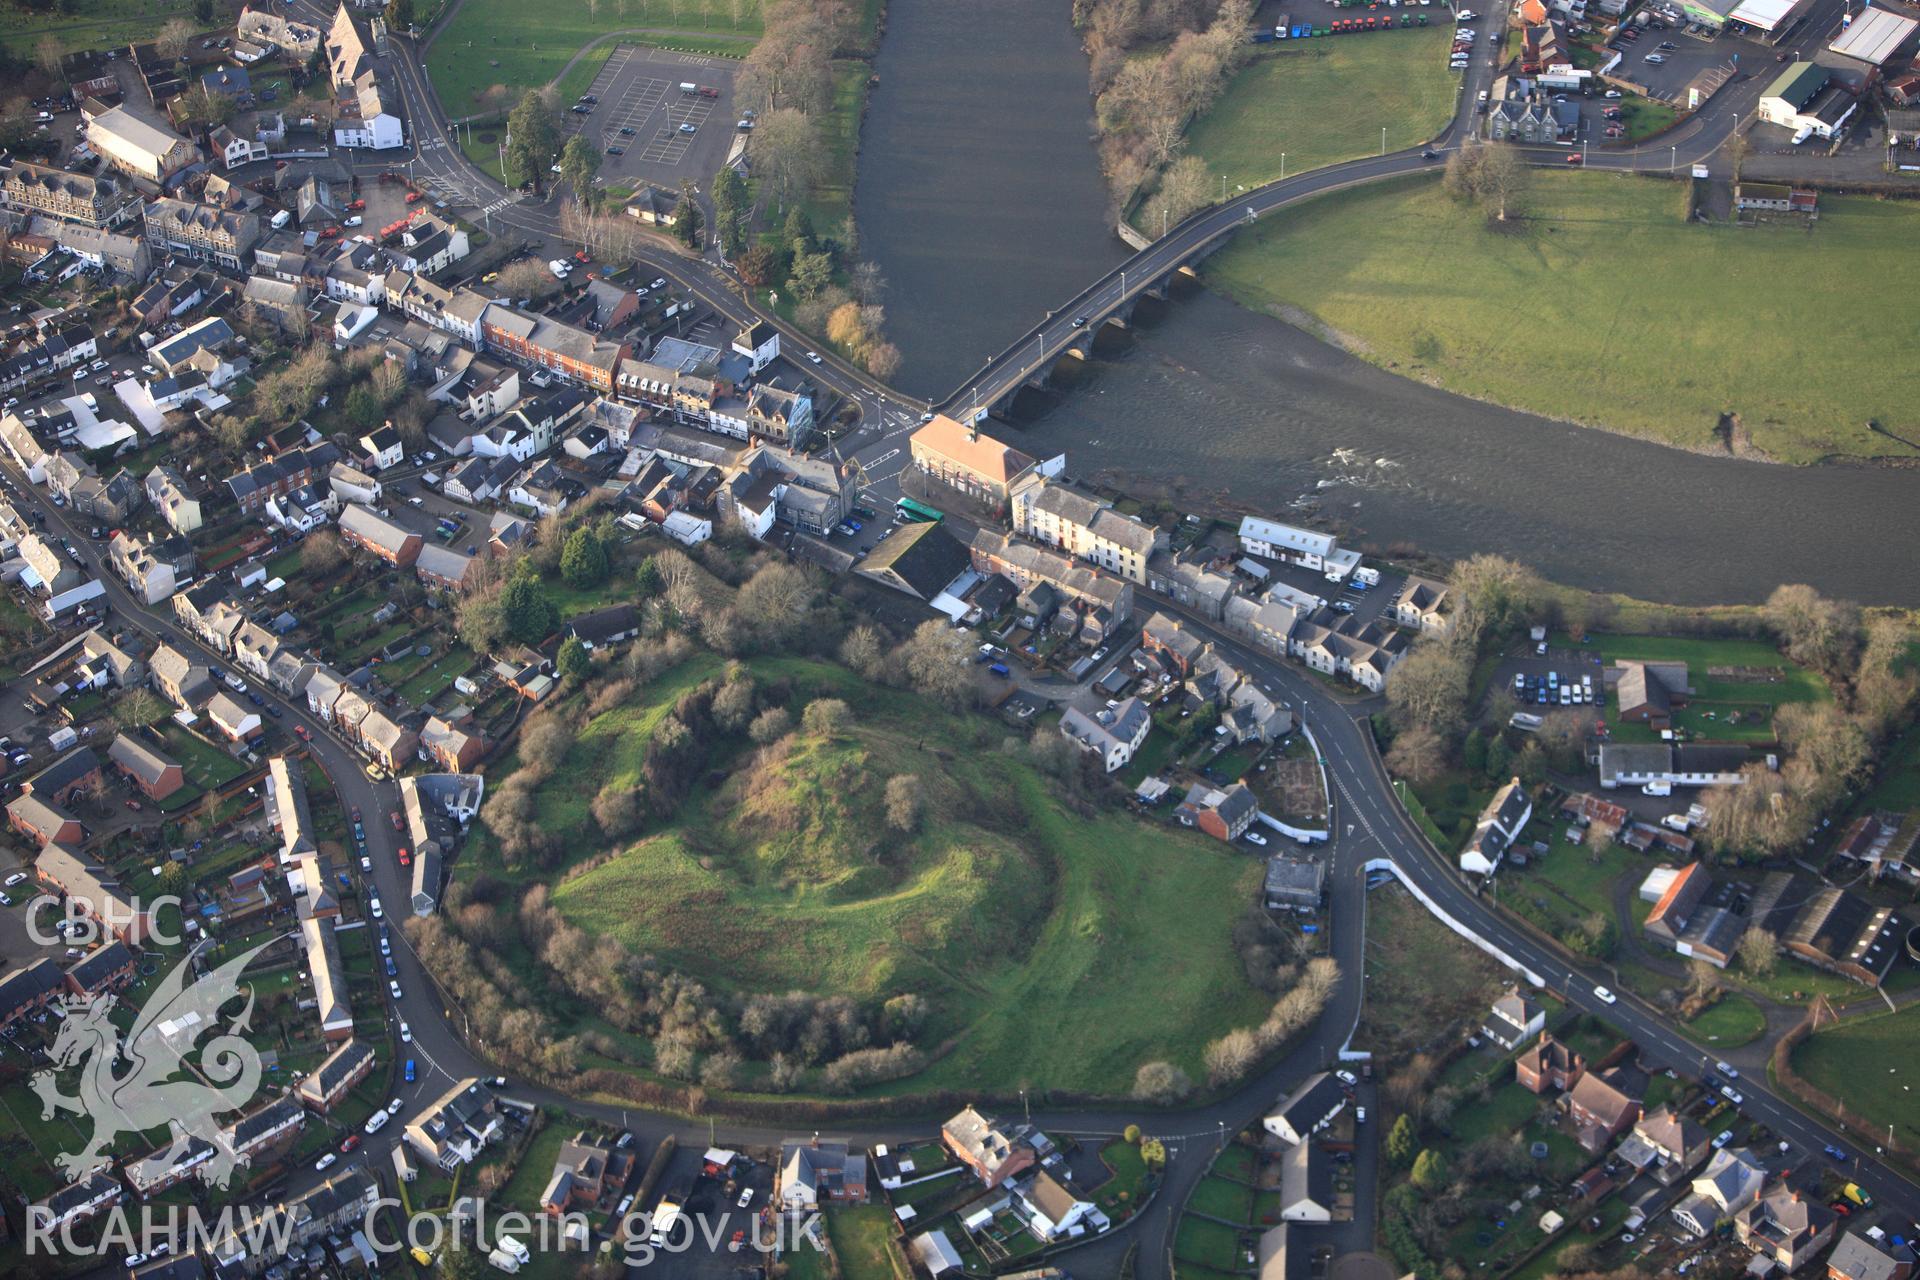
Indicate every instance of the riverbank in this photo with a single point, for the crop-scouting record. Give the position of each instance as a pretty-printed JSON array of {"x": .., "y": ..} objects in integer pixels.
[{"x": 1605, "y": 308}]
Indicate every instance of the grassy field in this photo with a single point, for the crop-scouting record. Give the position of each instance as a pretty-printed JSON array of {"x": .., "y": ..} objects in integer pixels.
[
  {"x": 97, "y": 24},
  {"x": 1573, "y": 882},
  {"x": 1206, "y": 1243},
  {"x": 1323, "y": 101},
  {"x": 1831, "y": 1060},
  {"x": 1002, "y": 909},
  {"x": 491, "y": 42},
  {"x": 863, "y": 1242},
  {"x": 1731, "y": 1022},
  {"x": 1697, "y": 320}
]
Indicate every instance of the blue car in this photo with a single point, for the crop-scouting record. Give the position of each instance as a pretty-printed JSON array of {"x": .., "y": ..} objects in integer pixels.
[
  {"x": 1837, "y": 1154},
  {"x": 393, "y": 970},
  {"x": 410, "y": 1071}
]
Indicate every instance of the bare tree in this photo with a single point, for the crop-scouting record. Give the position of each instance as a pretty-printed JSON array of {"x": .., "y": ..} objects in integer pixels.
[
  {"x": 1184, "y": 187},
  {"x": 936, "y": 662},
  {"x": 1759, "y": 950},
  {"x": 786, "y": 151},
  {"x": 864, "y": 652},
  {"x": 1417, "y": 754},
  {"x": 775, "y": 599},
  {"x": 527, "y": 279},
  {"x": 1492, "y": 176},
  {"x": 1815, "y": 631},
  {"x": 868, "y": 284},
  {"x": 905, "y": 797},
  {"x": 883, "y": 360},
  {"x": 173, "y": 38},
  {"x": 322, "y": 554},
  {"x": 47, "y": 55},
  {"x": 1428, "y": 687}
]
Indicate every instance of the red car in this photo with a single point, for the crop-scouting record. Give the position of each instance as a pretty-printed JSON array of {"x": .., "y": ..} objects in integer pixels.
[
  {"x": 134, "y": 805},
  {"x": 406, "y": 859},
  {"x": 302, "y": 731},
  {"x": 351, "y": 1144},
  {"x": 397, "y": 824},
  {"x": 329, "y": 233},
  {"x": 1573, "y": 159},
  {"x": 413, "y": 197},
  {"x": 355, "y": 206},
  {"x": 580, "y": 255}
]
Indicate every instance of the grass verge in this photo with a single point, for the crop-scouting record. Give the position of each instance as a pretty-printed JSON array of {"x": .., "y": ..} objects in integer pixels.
[{"x": 1323, "y": 101}]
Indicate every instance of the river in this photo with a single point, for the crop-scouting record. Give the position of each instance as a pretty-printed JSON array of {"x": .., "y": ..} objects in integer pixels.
[
  {"x": 978, "y": 192},
  {"x": 979, "y": 196}
]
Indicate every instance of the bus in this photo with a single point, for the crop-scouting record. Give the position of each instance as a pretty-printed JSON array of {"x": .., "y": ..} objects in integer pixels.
[{"x": 917, "y": 512}]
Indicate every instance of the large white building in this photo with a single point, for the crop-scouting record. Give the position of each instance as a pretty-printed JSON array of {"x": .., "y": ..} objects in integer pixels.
[
  {"x": 1804, "y": 96},
  {"x": 139, "y": 145}
]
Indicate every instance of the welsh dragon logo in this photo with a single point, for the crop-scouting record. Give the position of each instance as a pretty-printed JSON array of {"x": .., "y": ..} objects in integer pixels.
[{"x": 145, "y": 1094}]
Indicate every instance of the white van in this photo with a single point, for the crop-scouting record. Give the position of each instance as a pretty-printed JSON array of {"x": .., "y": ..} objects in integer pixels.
[
  {"x": 507, "y": 1244},
  {"x": 282, "y": 218}
]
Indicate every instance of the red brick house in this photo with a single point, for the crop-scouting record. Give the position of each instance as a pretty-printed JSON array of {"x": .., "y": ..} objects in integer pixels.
[
  {"x": 77, "y": 772},
  {"x": 1600, "y": 1109},
  {"x": 108, "y": 968},
  {"x": 337, "y": 1073},
  {"x": 453, "y": 747},
  {"x": 378, "y": 536},
  {"x": 155, "y": 775},
  {"x": 1223, "y": 814},
  {"x": 29, "y": 989},
  {"x": 94, "y": 892},
  {"x": 42, "y": 822},
  {"x": 983, "y": 1146},
  {"x": 1549, "y": 1066},
  {"x": 579, "y": 1176}
]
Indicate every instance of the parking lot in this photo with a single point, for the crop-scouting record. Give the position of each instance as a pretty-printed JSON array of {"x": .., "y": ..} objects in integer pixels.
[
  {"x": 1687, "y": 54},
  {"x": 647, "y": 127}
]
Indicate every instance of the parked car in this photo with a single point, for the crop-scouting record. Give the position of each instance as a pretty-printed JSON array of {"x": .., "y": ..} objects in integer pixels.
[{"x": 327, "y": 1161}]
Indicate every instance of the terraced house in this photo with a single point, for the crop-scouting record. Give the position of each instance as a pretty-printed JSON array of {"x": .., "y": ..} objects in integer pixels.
[
  {"x": 203, "y": 232},
  {"x": 566, "y": 350},
  {"x": 43, "y": 191},
  {"x": 1100, "y": 600},
  {"x": 1086, "y": 529}
]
